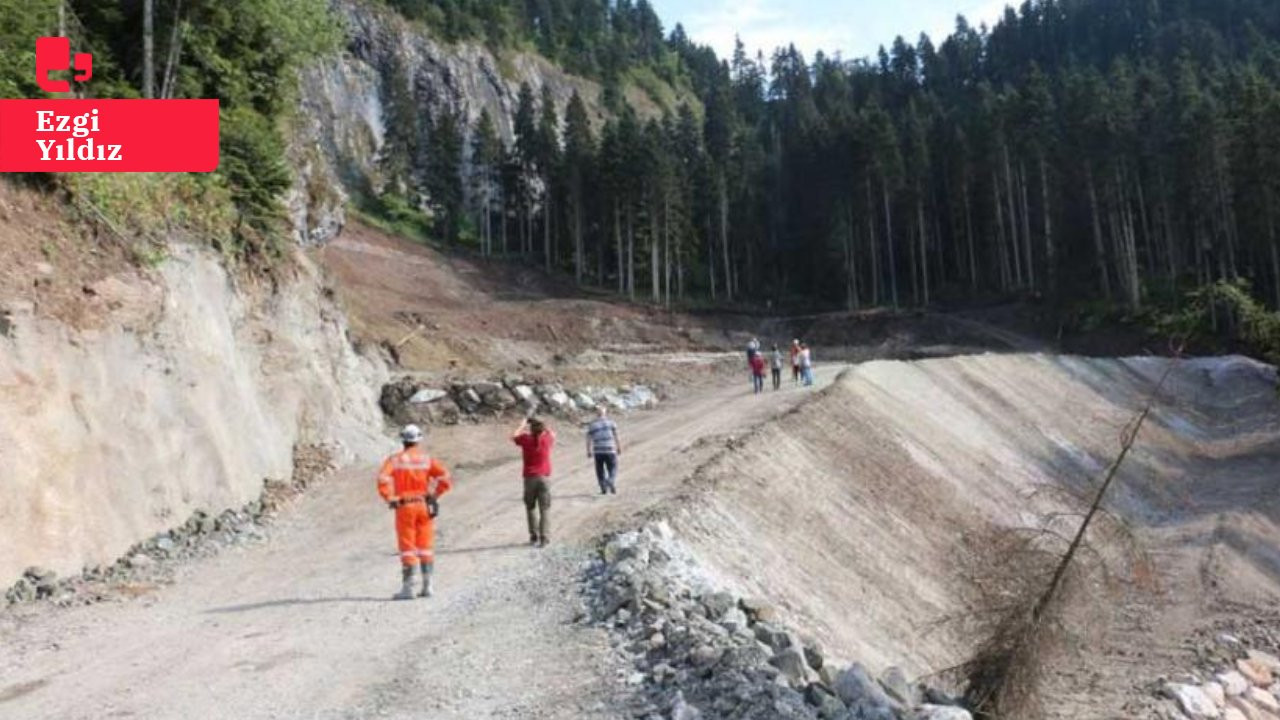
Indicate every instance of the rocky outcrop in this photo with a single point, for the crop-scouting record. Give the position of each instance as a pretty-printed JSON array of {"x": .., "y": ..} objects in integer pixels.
[
  {"x": 187, "y": 394},
  {"x": 340, "y": 130},
  {"x": 701, "y": 652},
  {"x": 406, "y": 400}
]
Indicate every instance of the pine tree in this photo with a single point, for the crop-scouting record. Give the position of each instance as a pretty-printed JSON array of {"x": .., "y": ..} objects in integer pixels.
[{"x": 579, "y": 149}]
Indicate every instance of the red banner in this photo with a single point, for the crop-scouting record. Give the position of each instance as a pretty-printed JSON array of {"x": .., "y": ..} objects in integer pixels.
[{"x": 108, "y": 135}]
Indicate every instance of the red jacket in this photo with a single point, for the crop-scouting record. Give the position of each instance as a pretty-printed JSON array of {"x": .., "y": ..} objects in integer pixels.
[
  {"x": 536, "y": 452},
  {"x": 757, "y": 364}
]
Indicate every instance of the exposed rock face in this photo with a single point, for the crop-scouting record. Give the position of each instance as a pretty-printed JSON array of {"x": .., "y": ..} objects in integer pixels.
[
  {"x": 341, "y": 128},
  {"x": 188, "y": 396}
]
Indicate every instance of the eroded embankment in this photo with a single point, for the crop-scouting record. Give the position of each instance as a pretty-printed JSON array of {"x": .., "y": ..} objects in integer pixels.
[
  {"x": 857, "y": 513},
  {"x": 187, "y": 393}
]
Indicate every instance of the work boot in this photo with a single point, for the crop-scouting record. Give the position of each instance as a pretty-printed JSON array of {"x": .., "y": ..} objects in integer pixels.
[
  {"x": 533, "y": 539},
  {"x": 426, "y": 582},
  {"x": 406, "y": 583}
]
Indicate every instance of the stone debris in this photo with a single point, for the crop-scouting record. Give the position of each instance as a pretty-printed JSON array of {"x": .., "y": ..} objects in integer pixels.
[
  {"x": 1242, "y": 688},
  {"x": 1193, "y": 701},
  {"x": 409, "y": 400},
  {"x": 156, "y": 560},
  {"x": 703, "y": 652}
]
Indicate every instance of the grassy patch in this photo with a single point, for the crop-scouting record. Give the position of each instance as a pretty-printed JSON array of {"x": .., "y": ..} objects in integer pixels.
[
  {"x": 658, "y": 91},
  {"x": 154, "y": 205},
  {"x": 394, "y": 215}
]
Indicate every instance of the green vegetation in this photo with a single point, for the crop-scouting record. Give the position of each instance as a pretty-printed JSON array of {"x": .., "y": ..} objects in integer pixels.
[
  {"x": 392, "y": 213},
  {"x": 242, "y": 52},
  {"x": 1104, "y": 156},
  {"x": 593, "y": 38},
  {"x": 1227, "y": 309}
]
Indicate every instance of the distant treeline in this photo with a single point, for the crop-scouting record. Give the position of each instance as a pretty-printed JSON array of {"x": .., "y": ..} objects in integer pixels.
[{"x": 1118, "y": 150}]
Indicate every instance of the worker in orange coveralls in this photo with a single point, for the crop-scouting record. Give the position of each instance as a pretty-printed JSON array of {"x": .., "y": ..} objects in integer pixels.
[{"x": 411, "y": 482}]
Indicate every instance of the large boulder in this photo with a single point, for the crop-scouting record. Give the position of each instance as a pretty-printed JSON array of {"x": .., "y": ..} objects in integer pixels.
[
  {"x": 894, "y": 681},
  {"x": 1193, "y": 701},
  {"x": 494, "y": 397},
  {"x": 855, "y": 685},
  {"x": 942, "y": 712},
  {"x": 427, "y": 395},
  {"x": 468, "y": 400},
  {"x": 793, "y": 666}
]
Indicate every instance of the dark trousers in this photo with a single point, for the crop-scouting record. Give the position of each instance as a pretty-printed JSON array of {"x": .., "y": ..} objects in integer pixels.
[
  {"x": 777, "y": 378},
  {"x": 757, "y": 382},
  {"x": 537, "y": 502},
  {"x": 607, "y": 472}
]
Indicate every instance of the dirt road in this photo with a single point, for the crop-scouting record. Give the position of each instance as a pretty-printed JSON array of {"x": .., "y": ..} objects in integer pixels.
[{"x": 301, "y": 626}]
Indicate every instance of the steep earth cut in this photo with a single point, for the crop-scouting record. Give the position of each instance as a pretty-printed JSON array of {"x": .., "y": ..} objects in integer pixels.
[
  {"x": 862, "y": 513},
  {"x": 184, "y": 392}
]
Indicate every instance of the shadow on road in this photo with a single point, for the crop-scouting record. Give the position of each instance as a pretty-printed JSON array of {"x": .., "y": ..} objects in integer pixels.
[
  {"x": 479, "y": 549},
  {"x": 291, "y": 602}
]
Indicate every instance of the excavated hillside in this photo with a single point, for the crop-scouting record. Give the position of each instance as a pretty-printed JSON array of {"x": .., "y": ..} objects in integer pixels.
[
  {"x": 864, "y": 512},
  {"x": 135, "y": 396}
]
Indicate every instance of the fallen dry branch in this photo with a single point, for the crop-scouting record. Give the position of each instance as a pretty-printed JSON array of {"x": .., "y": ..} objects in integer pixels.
[{"x": 1005, "y": 673}]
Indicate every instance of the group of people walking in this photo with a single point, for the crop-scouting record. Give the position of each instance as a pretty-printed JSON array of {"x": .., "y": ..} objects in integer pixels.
[
  {"x": 411, "y": 483},
  {"x": 801, "y": 365}
]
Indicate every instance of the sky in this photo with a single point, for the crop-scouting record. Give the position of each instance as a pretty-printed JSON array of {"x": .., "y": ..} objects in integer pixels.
[{"x": 854, "y": 28}]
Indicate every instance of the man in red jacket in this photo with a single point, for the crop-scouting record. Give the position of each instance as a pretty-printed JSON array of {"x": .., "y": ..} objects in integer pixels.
[
  {"x": 536, "y": 440},
  {"x": 757, "y": 373}
]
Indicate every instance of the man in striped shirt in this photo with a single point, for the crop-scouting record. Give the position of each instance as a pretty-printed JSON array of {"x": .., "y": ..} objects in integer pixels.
[{"x": 604, "y": 446}]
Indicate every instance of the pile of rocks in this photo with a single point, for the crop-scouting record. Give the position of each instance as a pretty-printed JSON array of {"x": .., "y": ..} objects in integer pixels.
[
  {"x": 152, "y": 561},
  {"x": 698, "y": 652},
  {"x": 407, "y": 400},
  {"x": 1246, "y": 688},
  {"x": 202, "y": 535}
]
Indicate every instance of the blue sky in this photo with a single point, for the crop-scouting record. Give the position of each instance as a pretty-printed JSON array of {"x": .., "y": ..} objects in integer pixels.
[{"x": 855, "y": 28}]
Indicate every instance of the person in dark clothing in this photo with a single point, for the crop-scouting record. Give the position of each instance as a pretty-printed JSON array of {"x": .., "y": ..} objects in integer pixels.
[{"x": 775, "y": 365}]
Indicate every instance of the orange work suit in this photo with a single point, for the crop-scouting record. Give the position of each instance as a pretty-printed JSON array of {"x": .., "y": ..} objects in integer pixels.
[{"x": 408, "y": 478}]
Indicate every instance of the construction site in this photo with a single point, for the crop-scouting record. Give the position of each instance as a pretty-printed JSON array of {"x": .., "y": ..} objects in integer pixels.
[{"x": 961, "y": 469}]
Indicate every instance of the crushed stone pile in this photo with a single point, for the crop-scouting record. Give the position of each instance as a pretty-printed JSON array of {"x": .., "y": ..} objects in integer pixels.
[{"x": 702, "y": 652}]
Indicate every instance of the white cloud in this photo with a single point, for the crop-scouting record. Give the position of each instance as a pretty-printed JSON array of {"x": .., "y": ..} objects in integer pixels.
[
  {"x": 839, "y": 27},
  {"x": 763, "y": 25}
]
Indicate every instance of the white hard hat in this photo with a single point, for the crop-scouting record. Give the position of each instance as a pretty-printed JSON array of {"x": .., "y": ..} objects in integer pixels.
[{"x": 411, "y": 434}]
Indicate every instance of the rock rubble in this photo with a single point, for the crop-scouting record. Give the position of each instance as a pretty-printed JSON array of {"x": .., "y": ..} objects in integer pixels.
[
  {"x": 700, "y": 652},
  {"x": 155, "y": 560},
  {"x": 1245, "y": 684},
  {"x": 407, "y": 400}
]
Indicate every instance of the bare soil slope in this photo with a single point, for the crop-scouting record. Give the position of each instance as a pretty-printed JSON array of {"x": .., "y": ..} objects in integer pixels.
[
  {"x": 857, "y": 511},
  {"x": 451, "y": 315}
]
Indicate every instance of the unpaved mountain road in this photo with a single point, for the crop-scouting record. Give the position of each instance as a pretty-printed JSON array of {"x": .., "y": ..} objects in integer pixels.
[{"x": 301, "y": 625}]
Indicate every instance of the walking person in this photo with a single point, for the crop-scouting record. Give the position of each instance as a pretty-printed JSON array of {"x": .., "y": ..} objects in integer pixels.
[
  {"x": 604, "y": 447},
  {"x": 795, "y": 362},
  {"x": 411, "y": 482},
  {"x": 536, "y": 440},
  {"x": 776, "y": 367},
  {"x": 806, "y": 365},
  {"x": 757, "y": 373}
]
